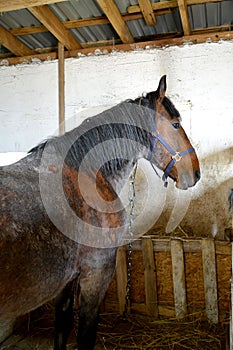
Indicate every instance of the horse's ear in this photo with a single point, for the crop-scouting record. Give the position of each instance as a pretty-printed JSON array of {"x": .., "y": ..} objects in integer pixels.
[{"x": 161, "y": 91}]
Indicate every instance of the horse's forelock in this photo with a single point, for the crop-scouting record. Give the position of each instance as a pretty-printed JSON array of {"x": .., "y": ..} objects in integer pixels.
[
  {"x": 174, "y": 113},
  {"x": 167, "y": 103}
]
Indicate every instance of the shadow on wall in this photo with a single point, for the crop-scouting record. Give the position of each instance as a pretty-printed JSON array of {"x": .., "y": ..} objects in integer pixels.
[{"x": 208, "y": 214}]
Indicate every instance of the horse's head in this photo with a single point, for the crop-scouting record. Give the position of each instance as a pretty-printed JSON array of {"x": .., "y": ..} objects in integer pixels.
[{"x": 171, "y": 150}]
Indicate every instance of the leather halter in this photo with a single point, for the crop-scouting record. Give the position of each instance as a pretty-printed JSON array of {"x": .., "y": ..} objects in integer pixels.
[{"x": 175, "y": 156}]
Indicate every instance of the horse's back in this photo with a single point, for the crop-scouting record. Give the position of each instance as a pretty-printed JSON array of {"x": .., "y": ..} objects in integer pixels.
[
  {"x": 19, "y": 197},
  {"x": 36, "y": 259}
]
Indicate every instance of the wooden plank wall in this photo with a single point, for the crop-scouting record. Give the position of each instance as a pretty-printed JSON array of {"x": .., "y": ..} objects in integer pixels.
[{"x": 214, "y": 268}]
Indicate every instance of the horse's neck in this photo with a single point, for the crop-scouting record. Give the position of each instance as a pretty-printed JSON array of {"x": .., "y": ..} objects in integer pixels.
[
  {"x": 119, "y": 179},
  {"x": 112, "y": 147}
]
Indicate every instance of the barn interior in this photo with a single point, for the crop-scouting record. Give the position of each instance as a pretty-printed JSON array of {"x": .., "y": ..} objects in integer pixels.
[{"x": 63, "y": 61}]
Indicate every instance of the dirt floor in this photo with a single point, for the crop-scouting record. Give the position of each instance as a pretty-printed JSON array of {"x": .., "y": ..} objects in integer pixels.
[{"x": 117, "y": 333}]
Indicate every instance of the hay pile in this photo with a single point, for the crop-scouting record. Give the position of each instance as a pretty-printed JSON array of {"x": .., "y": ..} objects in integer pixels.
[
  {"x": 140, "y": 333},
  {"x": 117, "y": 333}
]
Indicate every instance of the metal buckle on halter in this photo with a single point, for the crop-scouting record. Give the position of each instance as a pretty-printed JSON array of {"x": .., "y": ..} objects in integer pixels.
[{"x": 177, "y": 157}]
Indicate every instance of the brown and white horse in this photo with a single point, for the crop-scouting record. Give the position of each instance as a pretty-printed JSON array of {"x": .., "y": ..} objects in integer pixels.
[{"x": 61, "y": 219}]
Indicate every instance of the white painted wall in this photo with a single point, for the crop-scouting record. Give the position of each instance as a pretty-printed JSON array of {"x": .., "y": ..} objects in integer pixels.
[{"x": 199, "y": 81}]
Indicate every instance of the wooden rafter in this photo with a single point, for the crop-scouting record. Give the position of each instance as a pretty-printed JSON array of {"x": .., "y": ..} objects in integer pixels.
[
  {"x": 20, "y": 4},
  {"x": 162, "y": 5},
  {"x": 13, "y": 44},
  {"x": 52, "y": 23},
  {"x": 49, "y": 22},
  {"x": 155, "y": 6},
  {"x": 113, "y": 14},
  {"x": 84, "y": 22},
  {"x": 194, "y": 38},
  {"x": 147, "y": 11},
  {"x": 183, "y": 8}
]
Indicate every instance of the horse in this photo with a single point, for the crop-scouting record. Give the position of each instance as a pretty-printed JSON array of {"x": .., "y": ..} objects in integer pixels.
[{"x": 61, "y": 218}]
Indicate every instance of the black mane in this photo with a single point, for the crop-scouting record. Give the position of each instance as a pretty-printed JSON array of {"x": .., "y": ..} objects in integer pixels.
[
  {"x": 123, "y": 122},
  {"x": 106, "y": 126}
]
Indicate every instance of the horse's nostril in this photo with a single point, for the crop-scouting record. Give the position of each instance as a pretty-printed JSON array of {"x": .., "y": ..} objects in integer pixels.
[{"x": 197, "y": 175}]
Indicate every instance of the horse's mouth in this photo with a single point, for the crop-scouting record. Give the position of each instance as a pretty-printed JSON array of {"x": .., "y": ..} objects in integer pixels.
[
  {"x": 182, "y": 187},
  {"x": 186, "y": 181}
]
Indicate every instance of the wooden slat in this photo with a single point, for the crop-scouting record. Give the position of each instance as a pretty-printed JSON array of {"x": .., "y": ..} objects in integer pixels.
[
  {"x": 147, "y": 11},
  {"x": 210, "y": 279},
  {"x": 52, "y": 23},
  {"x": 20, "y": 4},
  {"x": 178, "y": 271},
  {"x": 110, "y": 9},
  {"x": 121, "y": 277},
  {"x": 150, "y": 277},
  {"x": 183, "y": 8},
  {"x": 61, "y": 88},
  {"x": 189, "y": 245},
  {"x": 164, "y": 311},
  {"x": 13, "y": 44}
]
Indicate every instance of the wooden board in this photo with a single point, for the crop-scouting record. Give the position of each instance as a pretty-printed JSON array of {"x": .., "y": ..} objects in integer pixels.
[
  {"x": 178, "y": 278},
  {"x": 121, "y": 277},
  {"x": 150, "y": 277},
  {"x": 210, "y": 280}
]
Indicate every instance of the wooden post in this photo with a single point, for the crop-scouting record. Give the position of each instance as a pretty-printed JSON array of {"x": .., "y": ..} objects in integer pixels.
[
  {"x": 150, "y": 277},
  {"x": 61, "y": 88},
  {"x": 121, "y": 277},
  {"x": 178, "y": 272},
  {"x": 210, "y": 281}
]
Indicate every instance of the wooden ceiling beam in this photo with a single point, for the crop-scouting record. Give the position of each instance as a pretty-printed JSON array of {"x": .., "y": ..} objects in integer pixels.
[
  {"x": 85, "y": 22},
  {"x": 96, "y": 44},
  {"x": 52, "y": 23},
  {"x": 113, "y": 14},
  {"x": 155, "y": 6},
  {"x": 147, "y": 11},
  {"x": 196, "y": 39},
  {"x": 12, "y": 5},
  {"x": 169, "y": 4},
  {"x": 13, "y": 44},
  {"x": 183, "y": 8}
]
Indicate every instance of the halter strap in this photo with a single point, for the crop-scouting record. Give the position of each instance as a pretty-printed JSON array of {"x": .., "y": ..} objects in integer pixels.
[
  {"x": 152, "y": 147},
  {"x": 176, "y": 156}
]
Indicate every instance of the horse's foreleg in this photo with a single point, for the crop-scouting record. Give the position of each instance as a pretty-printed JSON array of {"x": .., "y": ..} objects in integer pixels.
[
  {"x": 92, "y": 292},
  {"x": 64, "y": 315}
]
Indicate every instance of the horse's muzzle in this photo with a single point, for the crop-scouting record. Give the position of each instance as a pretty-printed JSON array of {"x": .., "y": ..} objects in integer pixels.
[{"x": 187, "y": 181}]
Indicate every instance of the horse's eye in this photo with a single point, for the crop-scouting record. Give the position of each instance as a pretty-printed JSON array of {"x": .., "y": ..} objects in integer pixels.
[{"x": 176, "y": 125}]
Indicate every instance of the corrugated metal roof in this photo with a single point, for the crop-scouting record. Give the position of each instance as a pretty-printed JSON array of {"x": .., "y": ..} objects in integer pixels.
[{"x": 203, "y": 16}]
